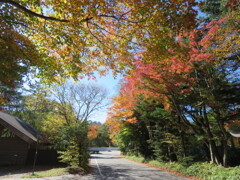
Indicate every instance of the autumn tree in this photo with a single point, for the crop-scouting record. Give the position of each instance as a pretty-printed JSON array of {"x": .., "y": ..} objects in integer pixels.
[
  {"x": 18, "y": 54},
  {"x": 195, "y": 72},
  {"x": 77, "y": 102},
  {"x": 62, "y": 114},
  {"x": 92, "y": 133},
  {"x": 39, "y": 111},
  {"x": 83, "y": 100},
  {"x": 59, "y": 39},
  {"x": 99, "y": 135},
  {"x": 216, "y": 8},
  {"x": 81, "y": 36},
  {"x": 103, "y": 138},
  {"x": 74, "y": 142}
]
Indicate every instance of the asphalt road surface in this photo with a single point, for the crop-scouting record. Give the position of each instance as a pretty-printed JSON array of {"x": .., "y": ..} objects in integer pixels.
[{"x": 108, "y": 166}]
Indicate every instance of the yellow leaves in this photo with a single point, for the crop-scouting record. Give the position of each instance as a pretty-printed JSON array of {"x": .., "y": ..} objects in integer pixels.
[
  {"x": 2, "y": 100},
  {"x": 17, "y": 54},
  {"x": 115, "y": 28},
  {"x": 114, "y": 128},
  {"x": 52, "y": 124}
]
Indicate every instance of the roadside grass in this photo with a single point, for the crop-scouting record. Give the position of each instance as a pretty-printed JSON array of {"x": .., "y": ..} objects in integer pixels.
[
  {"x": 47, "y": 173},
  {"x": 200, "y": 170}
]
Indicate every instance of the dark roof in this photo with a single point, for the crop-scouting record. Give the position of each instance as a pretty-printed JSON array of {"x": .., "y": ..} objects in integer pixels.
[{"x": 21, "y": 128}]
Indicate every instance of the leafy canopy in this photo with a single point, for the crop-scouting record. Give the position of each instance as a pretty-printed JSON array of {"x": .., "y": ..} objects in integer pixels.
[{"x": 83, "y": 36}]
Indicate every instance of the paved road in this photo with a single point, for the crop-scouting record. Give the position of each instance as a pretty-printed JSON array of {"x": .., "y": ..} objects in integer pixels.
[{"x": 106, "y": 166}]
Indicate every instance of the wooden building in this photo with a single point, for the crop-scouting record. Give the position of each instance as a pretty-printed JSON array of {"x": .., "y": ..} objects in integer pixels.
[{"x": 17, "y": 138}]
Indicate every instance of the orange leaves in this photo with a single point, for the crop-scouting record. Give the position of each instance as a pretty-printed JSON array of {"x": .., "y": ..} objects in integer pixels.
[
  {"x": 55, "y": 54},
  {"x": 214, "y": 27},
  {"x": 79, "y": 36},
  {"x": 17, "y": 54},
  {"x": 92, "y": 133},
  {"x": 122, "y": 107},
  {"x": 161, "y": 78},
  {"x": 132, "y": 120},
  {"x": 197, "y": 55},
  {"x": 178, "y": 66},
  {"x": 222, "y": 39},
  {"x": 114, "y": 128}
]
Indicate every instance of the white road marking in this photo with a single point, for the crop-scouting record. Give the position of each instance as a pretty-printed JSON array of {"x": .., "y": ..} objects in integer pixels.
[{"x": 99, "y": 170}]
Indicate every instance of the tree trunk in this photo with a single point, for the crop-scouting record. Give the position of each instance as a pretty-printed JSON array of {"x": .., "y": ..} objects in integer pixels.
[
  {"x": 215, "y": 156},
  {"x": 211, "y": 154},
  {"x": 183, "y": 144},
  {"x": 232, "y": 143},
  {"x": 225, "y": 153}
]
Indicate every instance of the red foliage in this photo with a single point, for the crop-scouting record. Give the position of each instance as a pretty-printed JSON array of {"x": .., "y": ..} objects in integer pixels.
[
  {"x": 162, "y": 78},
  {"x": 213, "y": 27}
]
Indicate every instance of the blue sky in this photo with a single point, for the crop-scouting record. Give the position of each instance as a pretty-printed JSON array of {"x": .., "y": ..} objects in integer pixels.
[{"x": 111, "y": 84}]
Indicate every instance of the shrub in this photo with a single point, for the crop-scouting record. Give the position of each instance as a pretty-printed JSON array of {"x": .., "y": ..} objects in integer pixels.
[
  {"x": 71, "y": 155},
  {"x": 202, "y": 170},
  {"x": 76, "y": 142}
]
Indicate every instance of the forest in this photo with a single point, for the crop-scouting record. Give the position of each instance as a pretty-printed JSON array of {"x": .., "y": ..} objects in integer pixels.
[{"x": 179, "y": 96}]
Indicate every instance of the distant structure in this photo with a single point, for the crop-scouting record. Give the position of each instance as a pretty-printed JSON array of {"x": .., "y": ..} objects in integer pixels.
[{"x": 17, "y": 139}]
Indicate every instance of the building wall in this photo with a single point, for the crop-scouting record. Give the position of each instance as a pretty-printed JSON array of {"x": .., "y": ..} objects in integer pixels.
[{"x": 13, "y": 151}]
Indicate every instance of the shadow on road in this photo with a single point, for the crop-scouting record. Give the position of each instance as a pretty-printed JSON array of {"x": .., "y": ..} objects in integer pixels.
[
  {"x": 109, "y": 173},
  {"x": 111, "y": 166}
]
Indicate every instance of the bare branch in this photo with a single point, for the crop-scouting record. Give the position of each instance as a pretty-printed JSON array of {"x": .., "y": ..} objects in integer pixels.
[
  {"x": 80, "y": 100},
  {"x": 120, "y": 18},
  {"x": 113, "y": 33},
  {"x": 93, "y": 34},
  {"x": 109, "y": 16},
  {"x": 114, "y": 17},
  {"x": 17, "y": 5}
]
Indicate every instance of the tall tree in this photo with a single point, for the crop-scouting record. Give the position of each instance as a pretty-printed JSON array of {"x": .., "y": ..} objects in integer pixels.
[
  {"x": 216, "y": 8},
  {"x": 83, "y": 100},
  {"x": 18, "y": 56},
  {"x": 99, "y": 135},
  {"x": 195, "y": 71}
]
